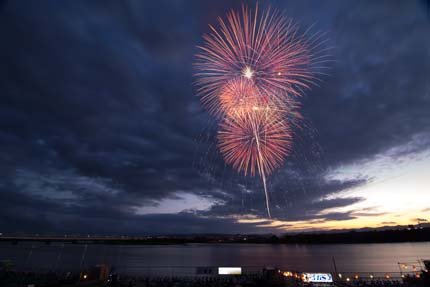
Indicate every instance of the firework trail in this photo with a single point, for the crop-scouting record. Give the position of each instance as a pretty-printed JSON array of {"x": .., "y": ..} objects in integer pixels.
[
  {"x": 250, "y": 72},
  {"x": 255, "y": 141}
]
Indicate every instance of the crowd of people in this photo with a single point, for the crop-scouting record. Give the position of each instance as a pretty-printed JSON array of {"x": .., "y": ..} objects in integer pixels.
[
  {"x": 408, "y": 281},
  {"x": 249, "y": 280},
  {"x": 47, "y": 279},
  {"x": 372, "y": 283},
  {"x": 57, "y": 279}
]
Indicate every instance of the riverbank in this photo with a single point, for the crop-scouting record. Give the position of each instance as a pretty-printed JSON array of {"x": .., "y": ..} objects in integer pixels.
[{"x": 407, "y": 234}]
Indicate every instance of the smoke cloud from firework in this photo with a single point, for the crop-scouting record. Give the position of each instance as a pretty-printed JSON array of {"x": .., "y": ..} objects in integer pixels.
[{"x": 251, "y": 71}]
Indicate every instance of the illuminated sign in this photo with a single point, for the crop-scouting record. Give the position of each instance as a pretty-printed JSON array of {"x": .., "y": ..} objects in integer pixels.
[
  {"x": 229, "y": 270},
  {"x": 317, "y": 277}
]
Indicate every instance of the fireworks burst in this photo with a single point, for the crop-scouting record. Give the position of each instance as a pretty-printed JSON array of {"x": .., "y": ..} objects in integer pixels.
[
  {"x": 250, "y": 72},
  {"x": 254, "y": 141}
]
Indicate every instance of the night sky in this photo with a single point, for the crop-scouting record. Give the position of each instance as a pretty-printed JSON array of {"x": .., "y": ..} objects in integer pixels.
[{"x": 101, "y": 130}]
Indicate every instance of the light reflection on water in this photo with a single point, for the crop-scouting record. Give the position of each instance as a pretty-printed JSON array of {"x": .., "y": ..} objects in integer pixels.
[{"x": 139, "y": 259}]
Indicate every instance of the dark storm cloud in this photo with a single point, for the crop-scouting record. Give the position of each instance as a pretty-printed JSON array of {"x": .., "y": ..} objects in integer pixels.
[
  {"x": 98, "y": 117},
  {"x": 22, "y": 213},
  {"x": 379, "y": 94}
]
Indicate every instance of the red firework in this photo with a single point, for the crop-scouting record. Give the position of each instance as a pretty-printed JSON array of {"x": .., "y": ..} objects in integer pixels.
[
  {"x": 242, "y": 96},
  {"x": 253, "y": 141},
  {"x": 250, "y": 72},
  {"x": 265, "y": 49}
]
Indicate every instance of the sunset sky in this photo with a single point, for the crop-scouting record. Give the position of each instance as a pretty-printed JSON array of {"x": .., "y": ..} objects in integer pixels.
[{"x": 101, "y": 130}]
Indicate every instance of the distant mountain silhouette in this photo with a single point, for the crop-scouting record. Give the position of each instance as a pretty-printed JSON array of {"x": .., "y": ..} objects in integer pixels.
[{"x": 410, "y": 233}]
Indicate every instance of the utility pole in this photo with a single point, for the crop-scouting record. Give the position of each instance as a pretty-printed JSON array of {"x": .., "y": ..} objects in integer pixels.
[{"x": 335, "y": 267}]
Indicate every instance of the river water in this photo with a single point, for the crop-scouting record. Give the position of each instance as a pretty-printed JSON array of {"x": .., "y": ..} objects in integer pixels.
[{"x": 177, "y": 259}]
